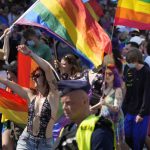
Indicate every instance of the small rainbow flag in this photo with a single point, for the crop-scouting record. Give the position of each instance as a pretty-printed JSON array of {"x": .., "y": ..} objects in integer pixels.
[
  {"x": 133, "y": 13},
  {"x": 13, "y": 107},
  {"x": 70, "y": 22}
]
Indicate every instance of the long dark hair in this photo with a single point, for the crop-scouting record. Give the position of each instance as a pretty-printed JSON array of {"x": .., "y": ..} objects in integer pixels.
[
  {"x": 73, "y": 61},
  {"x": 45, "y": 82}
]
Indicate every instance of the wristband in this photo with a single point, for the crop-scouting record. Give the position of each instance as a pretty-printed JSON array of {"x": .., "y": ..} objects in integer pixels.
[{"x": 29, "y": 52}]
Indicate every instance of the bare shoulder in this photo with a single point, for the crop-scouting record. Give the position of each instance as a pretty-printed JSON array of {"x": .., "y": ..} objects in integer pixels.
[{"x": 31, "y": 94}]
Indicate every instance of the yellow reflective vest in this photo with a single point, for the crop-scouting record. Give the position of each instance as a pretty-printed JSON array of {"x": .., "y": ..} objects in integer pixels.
[{"x": 85, "y": 130}]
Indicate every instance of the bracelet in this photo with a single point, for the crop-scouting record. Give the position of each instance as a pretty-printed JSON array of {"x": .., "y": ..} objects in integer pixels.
[{"x": 29, "y": 52}]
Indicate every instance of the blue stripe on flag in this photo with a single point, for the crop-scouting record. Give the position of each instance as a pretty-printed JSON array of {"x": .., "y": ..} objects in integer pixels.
[{"x": 84, "y": 1}]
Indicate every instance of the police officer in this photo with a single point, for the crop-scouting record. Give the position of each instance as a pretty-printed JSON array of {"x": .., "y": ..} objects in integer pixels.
[{"x": 86, "y": 132}]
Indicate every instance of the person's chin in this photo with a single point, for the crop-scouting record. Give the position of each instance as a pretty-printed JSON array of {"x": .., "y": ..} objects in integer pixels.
[{"x": 67, "y": 116}]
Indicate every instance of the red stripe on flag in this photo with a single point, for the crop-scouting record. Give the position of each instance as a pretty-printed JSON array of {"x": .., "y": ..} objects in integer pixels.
[
  {"x": 24, "y": 67},
  {"x": 96, "y": 7},
  {"x": 131, "y": 23},
  {"x": 12, "y": 101}
]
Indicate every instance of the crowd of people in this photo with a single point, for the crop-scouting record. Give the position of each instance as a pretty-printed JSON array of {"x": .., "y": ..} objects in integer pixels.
[{"x": 75, "y": 107}]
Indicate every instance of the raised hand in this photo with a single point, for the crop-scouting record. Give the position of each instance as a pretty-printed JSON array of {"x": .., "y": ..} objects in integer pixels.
[
  {"x": 24, "y": 49},
  {"x": 7, "y": 32}
]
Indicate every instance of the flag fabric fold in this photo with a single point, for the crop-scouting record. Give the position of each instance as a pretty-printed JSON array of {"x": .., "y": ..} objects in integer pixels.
[
  {"x": 26, "y": 66},
  {"x": 70, "y": 22},
  {"x": 13, "y": 107},
  {"x": 95, "y": 9},
  {"x": 133, "y": 13}
]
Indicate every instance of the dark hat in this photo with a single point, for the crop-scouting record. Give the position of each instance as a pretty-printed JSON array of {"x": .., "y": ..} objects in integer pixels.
[{"x": 66, "y": 86}]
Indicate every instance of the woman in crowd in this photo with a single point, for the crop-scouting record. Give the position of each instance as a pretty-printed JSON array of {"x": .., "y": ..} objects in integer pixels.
[
  {"x": 110, "y": 103},
  {"x": 69, "y": 67},
  {"x": 43, "y": 105}
]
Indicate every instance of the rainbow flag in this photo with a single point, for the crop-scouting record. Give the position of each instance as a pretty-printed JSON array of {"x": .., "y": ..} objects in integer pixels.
[
  {"x": 26, "y": 66},
  {"x": 133, "y": 13},
  {"x": 95, "y": 9},
  {"x": 70, "y": 22},
  {"x": 13, "y": 107}
]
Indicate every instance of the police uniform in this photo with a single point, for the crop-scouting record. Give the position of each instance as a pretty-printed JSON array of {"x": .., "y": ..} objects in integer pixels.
[{"x": 93, "y": 133}]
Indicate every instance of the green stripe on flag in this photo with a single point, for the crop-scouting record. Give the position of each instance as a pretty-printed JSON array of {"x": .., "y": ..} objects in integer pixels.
[
  {"x": 52, "y": 22},
  {"x": 147, "y": 1}
]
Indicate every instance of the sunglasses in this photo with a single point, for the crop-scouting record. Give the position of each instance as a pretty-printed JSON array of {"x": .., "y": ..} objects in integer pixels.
[
  {"x": 34, "y": 77},
  {"x": 109, "y": 73}
]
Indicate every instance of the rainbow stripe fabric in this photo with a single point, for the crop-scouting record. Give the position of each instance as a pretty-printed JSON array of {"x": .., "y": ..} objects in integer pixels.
[
  {"x": 95, "y": 9},
  {"x": 24, "y": 73},
  {"x": 133, "y": 13},
  {"x": 13, "y": 107},
  {"x": 70, "y": 22}
]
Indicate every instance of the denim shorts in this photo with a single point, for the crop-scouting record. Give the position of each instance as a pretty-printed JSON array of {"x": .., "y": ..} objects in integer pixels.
[{"x": 29, "y": 142}]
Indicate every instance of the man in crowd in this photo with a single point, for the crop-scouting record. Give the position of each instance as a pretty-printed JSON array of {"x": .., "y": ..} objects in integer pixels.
[
  {"x": 86, "y": 131},
  {"x": 34, "y": 43},
  {"x": 136, "y": 103}
]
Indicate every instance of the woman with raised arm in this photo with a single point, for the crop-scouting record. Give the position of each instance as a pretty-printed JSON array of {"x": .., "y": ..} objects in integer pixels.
[
  {"x": 110, "y": 103},
  {"x": 42, "y": 102}
]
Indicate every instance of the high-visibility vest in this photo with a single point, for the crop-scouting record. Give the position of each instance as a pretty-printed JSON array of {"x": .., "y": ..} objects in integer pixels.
[{"x": 85, "y": 130}]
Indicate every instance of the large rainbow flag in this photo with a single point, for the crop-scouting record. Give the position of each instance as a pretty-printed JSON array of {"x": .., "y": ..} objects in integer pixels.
[
  {"x": 13, "y": 107},
  {"x": 70, "y": 22},
  {"x": 133, "y": 13}
]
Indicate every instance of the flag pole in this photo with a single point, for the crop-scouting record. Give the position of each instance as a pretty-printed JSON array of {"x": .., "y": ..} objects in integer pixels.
[
  {"x": 11, "y": 27},
  {"x": 109, "y": 56}
]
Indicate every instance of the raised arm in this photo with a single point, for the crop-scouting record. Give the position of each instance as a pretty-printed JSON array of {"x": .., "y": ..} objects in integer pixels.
[
  {"x": 6, "y": 48},
  {"x": 43, "y": 64},
  {"x": 23, "y": 92}
]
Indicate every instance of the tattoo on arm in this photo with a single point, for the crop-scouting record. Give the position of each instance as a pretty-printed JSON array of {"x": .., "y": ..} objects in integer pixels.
[{"x": 54, "y": 84}]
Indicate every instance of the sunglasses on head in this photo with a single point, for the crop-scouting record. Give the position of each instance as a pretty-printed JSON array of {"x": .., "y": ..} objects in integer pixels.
[
  {"x": 35, "y": 76},
  {"x": 109, "y": 73}
]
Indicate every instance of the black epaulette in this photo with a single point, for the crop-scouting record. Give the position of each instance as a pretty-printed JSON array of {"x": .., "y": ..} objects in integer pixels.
[
  {"x": 104, "y": 123},
  {"x": 68, "y": 132}
]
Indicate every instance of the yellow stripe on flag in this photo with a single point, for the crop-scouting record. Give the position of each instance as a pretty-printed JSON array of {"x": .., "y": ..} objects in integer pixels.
[
  {"x": 75, "y": 35},
  {"x": 136, "y": 5},
  {"x": 15, "y": 116}
]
